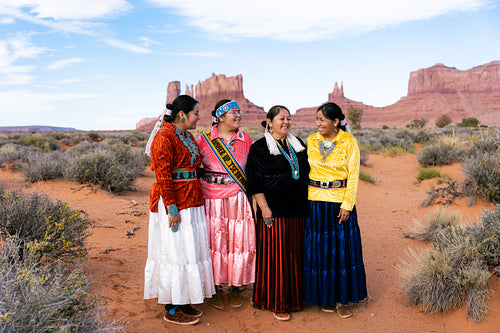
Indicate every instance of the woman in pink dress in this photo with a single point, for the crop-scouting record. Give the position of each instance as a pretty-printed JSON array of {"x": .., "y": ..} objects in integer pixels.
[{"x": 230, "y": 223}]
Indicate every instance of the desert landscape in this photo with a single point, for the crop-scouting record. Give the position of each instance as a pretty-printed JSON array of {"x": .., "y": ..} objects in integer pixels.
[{"x": 118, "y": 249}]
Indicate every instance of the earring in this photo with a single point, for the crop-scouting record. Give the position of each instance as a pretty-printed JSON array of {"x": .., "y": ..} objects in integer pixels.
[
  {"x": 335, "y": 129},
  {"x": 270, "y": 129},
  {"x": 183, "y": 120}
]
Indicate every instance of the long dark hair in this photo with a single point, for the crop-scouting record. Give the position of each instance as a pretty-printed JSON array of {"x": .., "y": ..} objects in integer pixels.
[
  {"x": 183, "y": 103},
  {"x": 273, "y": 112},
  {"x": 218, "y": 105},
  {"x": 332, "y": 111}
]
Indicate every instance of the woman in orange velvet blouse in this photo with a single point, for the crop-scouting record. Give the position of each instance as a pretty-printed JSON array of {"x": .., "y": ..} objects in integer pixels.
[{"x": 179, "y": 268}]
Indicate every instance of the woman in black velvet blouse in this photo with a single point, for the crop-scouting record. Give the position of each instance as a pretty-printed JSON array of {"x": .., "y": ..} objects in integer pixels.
[{"x": 277, "y": 174}]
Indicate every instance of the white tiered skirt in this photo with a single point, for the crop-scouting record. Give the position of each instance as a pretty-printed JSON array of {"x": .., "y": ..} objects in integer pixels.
[{"x": 178, "y": 269}]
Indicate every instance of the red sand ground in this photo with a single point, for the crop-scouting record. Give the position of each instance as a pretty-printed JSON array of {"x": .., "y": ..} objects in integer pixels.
[{"x": 386, "y": 210}]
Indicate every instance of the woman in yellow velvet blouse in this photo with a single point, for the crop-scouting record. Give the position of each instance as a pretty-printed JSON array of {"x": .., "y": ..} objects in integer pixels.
[{"x": 334, "y": 273}]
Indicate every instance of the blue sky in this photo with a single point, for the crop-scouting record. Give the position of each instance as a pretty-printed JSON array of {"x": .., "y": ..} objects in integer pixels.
[{"x": 105, "y": 64}]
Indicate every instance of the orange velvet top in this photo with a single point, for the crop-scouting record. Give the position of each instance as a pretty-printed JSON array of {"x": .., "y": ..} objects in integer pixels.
[{"x": 168, "y": 154}]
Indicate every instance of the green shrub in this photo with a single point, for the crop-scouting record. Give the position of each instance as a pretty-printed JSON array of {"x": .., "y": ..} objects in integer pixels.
[
  {"x": 46, "y": 227},
  {"x": 456, "y": 270},
  {"x": 35, "y": 298},
  {"x": 469, "y": 122},
  {"x": 366, "y": 177},
  {"x": 112, "y": 167},
  {"x": 417, "y": 123},
  {"x": 45, "y": 144},
  {"x": 483, "y": 171},
  {"x": 427, "y": 173}
]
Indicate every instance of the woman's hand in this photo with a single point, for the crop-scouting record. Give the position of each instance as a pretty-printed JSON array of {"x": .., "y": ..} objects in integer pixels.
[
  {"x": 173, "y": 220},
  {"x": 343, "y": 215}
]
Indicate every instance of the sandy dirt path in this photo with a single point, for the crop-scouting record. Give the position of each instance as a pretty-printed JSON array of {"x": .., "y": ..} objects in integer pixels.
[{"x": 385, "y": 210}]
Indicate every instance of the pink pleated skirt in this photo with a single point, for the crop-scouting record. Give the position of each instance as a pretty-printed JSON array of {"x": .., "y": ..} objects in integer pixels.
[{"x": 231, "y": 233}]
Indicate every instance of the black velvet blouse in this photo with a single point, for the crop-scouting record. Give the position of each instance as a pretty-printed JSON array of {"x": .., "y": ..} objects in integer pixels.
[{"x": 272, "y": 175}]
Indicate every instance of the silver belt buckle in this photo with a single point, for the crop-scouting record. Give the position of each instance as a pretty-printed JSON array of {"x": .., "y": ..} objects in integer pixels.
[
  {"x": 323, "y": 184},
  {"x": 336, "y": 183},
  {"x": 218, "y": 180},
  {"x": 227, "y": 181}
]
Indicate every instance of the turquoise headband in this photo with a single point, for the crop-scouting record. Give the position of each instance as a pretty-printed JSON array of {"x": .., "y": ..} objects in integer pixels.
[{"x": 226, "y": 107}]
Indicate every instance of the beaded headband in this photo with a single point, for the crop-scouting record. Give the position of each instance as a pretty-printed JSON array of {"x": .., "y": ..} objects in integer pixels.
[{"x": 226, "y": 107}]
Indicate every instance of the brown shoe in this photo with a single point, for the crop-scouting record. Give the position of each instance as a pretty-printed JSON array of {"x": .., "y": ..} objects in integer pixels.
[
  {"x": 180, "y": 318},
  {"x": 328, "y": 309},
  {"x": 235, "y": 299},
  {"x": 190, "y": 311},
  {"x": 343, "y": 311},
  {"x": 217, "y": 301},
  {"x": 282, "y": 316}
]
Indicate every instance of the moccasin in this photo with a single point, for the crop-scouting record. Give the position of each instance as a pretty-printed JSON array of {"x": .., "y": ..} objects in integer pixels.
[{"x": 180, "y": 318}]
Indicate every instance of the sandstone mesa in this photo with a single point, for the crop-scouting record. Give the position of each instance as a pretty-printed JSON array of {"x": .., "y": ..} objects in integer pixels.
[{"x": 432, "y": 92}]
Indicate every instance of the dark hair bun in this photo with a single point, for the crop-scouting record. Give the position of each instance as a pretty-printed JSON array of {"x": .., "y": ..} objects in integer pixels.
[
  {"x": 264, "y": 123},
  {"x": 169, "y": 106}
]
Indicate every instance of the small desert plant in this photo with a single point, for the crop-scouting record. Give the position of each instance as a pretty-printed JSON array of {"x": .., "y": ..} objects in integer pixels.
[
  {"x": 427, "y": 173},
  {"x": 456, "y": 270},
  {"x": 447, "y": 150},
  {"x": 443, "y": 120},
  {"x": 16, "y": 155},
  {"x": 354, "y": 115},
  {"x": 46, "y": 144},
  {"x": 45, "y": 227},
  {"x": 439, "y": 221},
  {"x": 483, "y": 171},
  {"x": 417, "y": 123},
  {"x": 366, "y": 177},
  {"x": 469, "y": 122},
  {"x": 363, "y": 156},
  {"x": 45, "y": 166},
  {"x": 113, "y": 167},
  {"x": 36, "y": 298}
]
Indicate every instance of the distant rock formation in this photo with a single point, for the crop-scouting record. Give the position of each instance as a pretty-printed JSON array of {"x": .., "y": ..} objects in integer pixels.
[
  {"x": 431, "y": 92},
  {"x": 208, "y": 93},
  {"x": 36, "y": 128}
]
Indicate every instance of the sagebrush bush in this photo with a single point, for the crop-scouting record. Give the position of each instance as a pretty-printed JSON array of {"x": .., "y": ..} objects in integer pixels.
[
  {"x": 389, "y": 140},
  {"x": 433, "y": 224},
  {"x": 456, "y": 270},
  {"x": 482, "y": 169},
  {"x": 112, "y": 167},
  {"x": 16, "y": 155},
  {"x": 45, "y": 166},
  {"x": 440, "y": 153},
  {"x": 46, "y": 298},
  {"x": 46, "y": 227}
]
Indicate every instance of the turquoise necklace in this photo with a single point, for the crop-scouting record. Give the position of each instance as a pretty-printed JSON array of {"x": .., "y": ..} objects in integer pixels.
[
  {"x": 186, "y": 140},
  {"x": 291, "y": 158}
]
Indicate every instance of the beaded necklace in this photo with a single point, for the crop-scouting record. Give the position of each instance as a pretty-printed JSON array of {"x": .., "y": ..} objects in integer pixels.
[
  {"x": 186, "y": 140},
  {"x": 326, "y": 148},
  {"x": 291, "y": 158}
]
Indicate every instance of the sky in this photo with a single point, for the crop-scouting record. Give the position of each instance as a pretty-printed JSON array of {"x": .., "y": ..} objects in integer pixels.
[{"x": 106, "y": 64}]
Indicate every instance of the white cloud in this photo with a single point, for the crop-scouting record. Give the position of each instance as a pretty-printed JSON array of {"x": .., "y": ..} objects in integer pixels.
[
  {"x": 68, "y": 9},
  {"x": 25, "y": 102},
  {"x": 310, "y": 20},
  {"x": 71, "y": 16},
  {"x": 146, "y": 41},
  {"x": 14, "y": 49},
  {"x": 6, "y": 20},
  {"x": 64, "y": 63}
]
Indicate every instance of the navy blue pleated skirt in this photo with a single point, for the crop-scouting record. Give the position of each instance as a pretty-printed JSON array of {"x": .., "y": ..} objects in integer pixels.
[{"x": 333, "y": 270}]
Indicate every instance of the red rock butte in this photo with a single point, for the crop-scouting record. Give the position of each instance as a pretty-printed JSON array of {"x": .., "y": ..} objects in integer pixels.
[
  {"x": 432, "y": 92},
  {"x": 208, "y": 93}
]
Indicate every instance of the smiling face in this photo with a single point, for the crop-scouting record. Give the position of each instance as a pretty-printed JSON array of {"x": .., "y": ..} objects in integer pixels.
[
  {"x": 280, "y": 124},
  {"x": 231, "y": 119},
  {"x": 326, "y": 127},
  {"x": 192, "y": 118}
]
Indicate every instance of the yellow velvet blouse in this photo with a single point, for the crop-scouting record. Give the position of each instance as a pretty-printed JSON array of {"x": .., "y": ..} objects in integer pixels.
[{"x": 342, "y": 163}]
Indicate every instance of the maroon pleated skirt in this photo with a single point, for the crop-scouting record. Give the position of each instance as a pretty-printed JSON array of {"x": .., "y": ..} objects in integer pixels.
[{"x": 278, "y": 280}]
